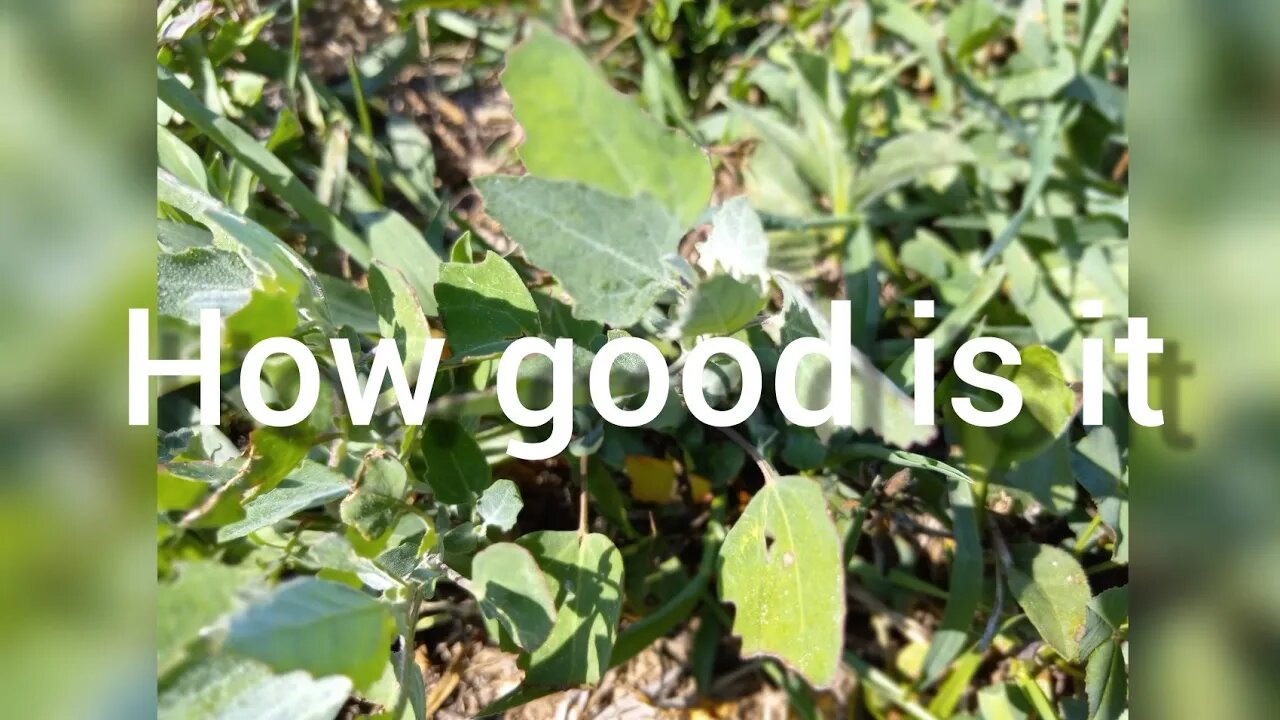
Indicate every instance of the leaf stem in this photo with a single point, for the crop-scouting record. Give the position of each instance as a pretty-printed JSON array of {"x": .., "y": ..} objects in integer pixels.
[
  {"x": 1033, "y": 692},
  {"x": 1082, "y": 543},
  {"x": 766, "y": 469}
]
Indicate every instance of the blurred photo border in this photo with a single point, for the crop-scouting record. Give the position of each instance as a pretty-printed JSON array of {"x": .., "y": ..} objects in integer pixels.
[{"x": 77, "y": 211}]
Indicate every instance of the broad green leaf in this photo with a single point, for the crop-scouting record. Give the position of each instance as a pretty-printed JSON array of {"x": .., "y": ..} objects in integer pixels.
[
  {"x": 585, "y": 577},
  {"x": 780, "y": 566},
  {"x": 322, "y": 627},
  {"x": 400, "y": 314},
  {"x": 396, "y": 243},
  {"x": 1052, "y": 589},
  {"x": 178, "y": 158},
  {"x": 906, "y": 158},
  {"x": 579, "y": 128},
  {"x": 500, "y": 505},
  {"x": 378, "y": 501},
  {"x": 175, "y": 492},
  {"x": 174, "y": 237},
  {"x": 201, "y": 278},
  {"x": 207, "y": 685},
  {"x": 1107, "y": 682},
  {"x": 261, "y": 251},
  {"x": 273, "y": 452},
  {"x": 1048, "y": 404},
  {"x": 970, "y": 25},
  {"x": 334, "y": 557},
  {"x": 293, "y": 696},
  {"x": 233, "y": 36},
  {"x": 512, "y": 590},
  {"x": 1108, "y": 611},
  {"x": 719, "y": 305},
  {"x": 1046, "y": 477},
  {"x": 456, "y": 467},
  {"x": 277, "y": 176},
  {"x": 350, "y": 306},
  {"x": 607, "y": 251},
  {"x": 286, "y": 131},
  {"x": 309, "y": 485},
  {"x": 1098, "y": 463},
  {"x": 485, "y": 306},
  {"x": 269, "y": 313},
  {"x": 737, "y": 243},
  {"x": 203, "y": 592},
  {"x": 405, "y": 559}
]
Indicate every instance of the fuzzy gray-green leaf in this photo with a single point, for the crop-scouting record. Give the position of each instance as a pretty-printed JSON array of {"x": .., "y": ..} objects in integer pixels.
[{"x": 607, "y": 251}]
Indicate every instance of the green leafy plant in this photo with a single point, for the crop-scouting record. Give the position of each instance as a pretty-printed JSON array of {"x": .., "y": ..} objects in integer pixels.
[{"x": 962, "y": 152}]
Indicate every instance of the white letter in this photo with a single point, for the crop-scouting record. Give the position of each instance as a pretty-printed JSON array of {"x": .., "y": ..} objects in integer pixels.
[
  {"x": 839, "y": 354},
  {"x": 559, "y": 412},
  {"x": 142, "y": 367},
  {"x": 1091, "y": 373},
  {"x": 691, "y": 381},
  {"x": 251, "y": 382},
  {"x": 386, "y": 359},
  {"x": 1009, "y": 394},
  {"x": 922, "y": 385},
  {"x": 1137, "y": 346},
  {"x": 659, "y": 383}
]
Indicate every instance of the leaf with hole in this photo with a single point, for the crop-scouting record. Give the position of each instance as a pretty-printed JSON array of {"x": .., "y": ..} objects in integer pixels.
[{"x": 780, "y": 567}]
